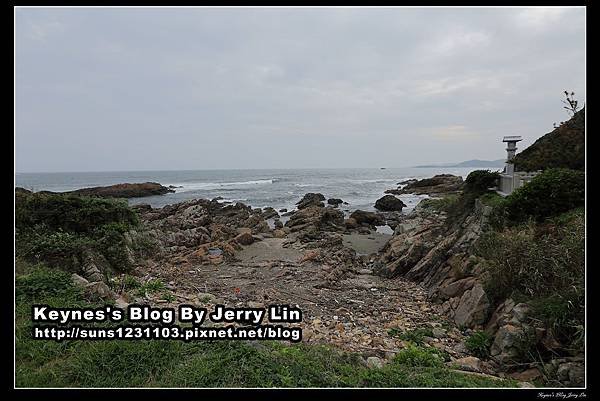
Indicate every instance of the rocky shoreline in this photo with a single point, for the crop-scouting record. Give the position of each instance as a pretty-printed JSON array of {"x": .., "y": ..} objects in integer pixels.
[{"x": 422, "y": 277}]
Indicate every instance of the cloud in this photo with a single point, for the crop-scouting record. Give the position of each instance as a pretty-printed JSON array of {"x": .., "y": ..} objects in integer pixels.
[
  {"x": 454, "y": 132},
  {"x": 200, "y": 88}
]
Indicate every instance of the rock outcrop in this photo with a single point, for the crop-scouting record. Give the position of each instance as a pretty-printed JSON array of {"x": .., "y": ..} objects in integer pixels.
[
  {"x": 311, "y": 199},
  {"x": 126, "y": 190},
  {"x": 438, "y": 184}
]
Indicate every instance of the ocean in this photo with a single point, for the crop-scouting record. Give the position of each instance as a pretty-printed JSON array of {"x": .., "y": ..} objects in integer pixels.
[{"x": 360, "y": 187}]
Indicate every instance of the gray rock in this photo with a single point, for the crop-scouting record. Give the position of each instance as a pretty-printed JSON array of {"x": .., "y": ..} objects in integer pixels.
[
  {"x": 374, "y": 362},
  {"x": 473, "y": 307}
]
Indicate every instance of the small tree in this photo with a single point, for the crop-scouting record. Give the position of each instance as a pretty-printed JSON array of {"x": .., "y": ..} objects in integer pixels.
[{"x": 571, "y": 105}]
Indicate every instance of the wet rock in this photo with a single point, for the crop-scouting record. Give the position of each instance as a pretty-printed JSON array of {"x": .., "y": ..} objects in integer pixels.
[
  {"x": 269, "y": 213},
  {"x": 369, "y": 218},
  {"x": 311, "y": 199},
  {"x": 334, "y": 201},
  {"x": 389, "y": 203}
]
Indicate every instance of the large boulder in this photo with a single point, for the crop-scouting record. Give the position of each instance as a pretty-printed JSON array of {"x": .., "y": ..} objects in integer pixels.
[
  {"x": 315, "y": 218},
  {"x": 389, "y": 203},
  {"x": 370, "y": 218},
  {"x": 311, "y": 199},
  {"x": 473, "y": 307}
]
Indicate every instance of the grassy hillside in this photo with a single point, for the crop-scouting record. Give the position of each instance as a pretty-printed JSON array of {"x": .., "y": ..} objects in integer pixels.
[{"x": 563, "y": 147}]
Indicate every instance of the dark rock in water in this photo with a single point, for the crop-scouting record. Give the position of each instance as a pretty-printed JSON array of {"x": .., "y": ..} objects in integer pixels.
[
  {"x": 334, "y": 201},
  {"x": 370, "y": 218},
  {"x": 122, "y": 190},
  {"x": 389, "y": 203},
  {"x": 394, "y": 191},
  {"x": 283, "y": 210},
  {"x": 311, "y": 199},
  {"x": 406, "y": 182},
  {"x": 441, "y": 183},
  {"x": 269, "y": 213}
]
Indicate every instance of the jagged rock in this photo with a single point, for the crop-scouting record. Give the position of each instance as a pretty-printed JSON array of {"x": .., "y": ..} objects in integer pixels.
[
  {"x": 278, "y": 224},
  {"x": 473, "y": 307},
  {"x": 315, "y": 217},
  {"x": 505, "y": 347},
  {"x": 311, "y": 199},
  {"x": 351, "y": 223},
  {"x": 441, "y": 183},
  {"x": 269, "y": 213},
  {"x": 389, "y": 203},
  {"x": 455, "y": 288},
  {"x": 334, "y": 201}
]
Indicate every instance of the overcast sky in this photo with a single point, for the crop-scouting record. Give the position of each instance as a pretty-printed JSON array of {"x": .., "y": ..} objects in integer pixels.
[{"x": 156, "y": 89}]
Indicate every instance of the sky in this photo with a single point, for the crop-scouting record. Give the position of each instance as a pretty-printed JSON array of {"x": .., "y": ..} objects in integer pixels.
[{"x": 113, "y": 89}]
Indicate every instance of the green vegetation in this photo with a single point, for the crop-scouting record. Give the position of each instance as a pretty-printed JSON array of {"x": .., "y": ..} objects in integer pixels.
[
  {"x": 415, "y": 336},
  {"x": 542, "y": 264},
  {"x": 564, "y": 147},
  {"x": 479, "y": 344},
  {"x": 548, "y": 194},
  {"x": 479, "y": 181},
  {"x": 440, "y": 204},
  {"x": 202, "y": 364},
  {"x": 61, "y": 229}
]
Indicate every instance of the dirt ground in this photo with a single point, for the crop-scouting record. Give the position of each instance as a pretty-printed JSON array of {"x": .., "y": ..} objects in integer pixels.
[{"x": 355, "y": 313}]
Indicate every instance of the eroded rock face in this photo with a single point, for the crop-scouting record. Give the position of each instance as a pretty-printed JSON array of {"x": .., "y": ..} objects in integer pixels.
[
  {"x": 473, "y": 307},
  {"x": 389, "y": 203}
]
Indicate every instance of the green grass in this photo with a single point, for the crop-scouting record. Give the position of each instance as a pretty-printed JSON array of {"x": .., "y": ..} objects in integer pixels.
[
  {"x": 202, "y": 364},
  {"x": 479, "y": 344}
]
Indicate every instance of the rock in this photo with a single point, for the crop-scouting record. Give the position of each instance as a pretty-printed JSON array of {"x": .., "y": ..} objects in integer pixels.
[
  {"x": 350, "y": 223},
  {"x": 438, "y": 332},
  {"x": 283, "y": 210},
  {"x": 473, "y": 307},
  {"x": 311, "y": 199},
  {"x": 122, "y": 190},
  {"x": 370, "y": 218},
  {"x": 442, "y": 183},
  {"x": 469, "y": 363},
  {"x": 334, "y": 201},
  {"x": 316, "y": 218},
  {"x": 506, "y": 345},
  {"x": 455, "y": 288},
  {"x": 389, "y": 203},
  {"x": 269, "y": 213},
  {"x": 244, "y": 239},
  {"x": 78, "y": 280},
  {"x": 526, "y": 375},
  {"x": 279, "y": 233},
  {"x": 374, "y": 362},
  {"x": 99, "y": 290}
]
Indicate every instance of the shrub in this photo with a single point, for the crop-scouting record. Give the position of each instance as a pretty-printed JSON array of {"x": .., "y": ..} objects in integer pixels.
[
  {"x": 543, "y": 264},
  {"x": 550, "y": 193},
  {"x": 415, "y": 336},
  {"x": 414, "y": 355},
  {"x": 71, "y": 213},
  {"x": 479, "y": 181},
  {"x": 479, "y": 344}
]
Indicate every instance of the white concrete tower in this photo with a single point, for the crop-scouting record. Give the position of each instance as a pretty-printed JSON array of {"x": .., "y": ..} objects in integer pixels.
[{"x": 511, "y": 150}]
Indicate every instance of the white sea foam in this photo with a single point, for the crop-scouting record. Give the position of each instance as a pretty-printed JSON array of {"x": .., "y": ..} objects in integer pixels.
[{"x": 207, "y": 186}]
